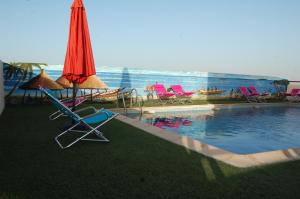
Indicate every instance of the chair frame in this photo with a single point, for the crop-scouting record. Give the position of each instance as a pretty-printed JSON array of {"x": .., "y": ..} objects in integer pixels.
[
  {"x": 78, "y": 120},
  {"x": 58, "y": 113}
]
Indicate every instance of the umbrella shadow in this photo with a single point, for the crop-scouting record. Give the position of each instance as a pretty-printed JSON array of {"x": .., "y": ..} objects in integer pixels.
[{"x": 125, "y": 79}]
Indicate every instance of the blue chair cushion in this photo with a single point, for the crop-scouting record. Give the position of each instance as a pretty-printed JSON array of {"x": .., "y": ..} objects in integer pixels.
[{"x": 98, "y": 117}]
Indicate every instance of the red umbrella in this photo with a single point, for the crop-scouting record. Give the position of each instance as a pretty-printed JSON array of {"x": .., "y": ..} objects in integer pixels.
[{"x": 79, "y": 61}]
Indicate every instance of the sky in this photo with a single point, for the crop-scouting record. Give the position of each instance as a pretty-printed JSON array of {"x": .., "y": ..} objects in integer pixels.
[{"x": 258, "y": 37}]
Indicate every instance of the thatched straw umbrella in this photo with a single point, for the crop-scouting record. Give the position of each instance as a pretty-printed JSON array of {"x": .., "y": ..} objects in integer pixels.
[
  {"x": 93, "y": 82},
  {"x": 42, "y": 80},
  {"x": 65, "y": 83}
]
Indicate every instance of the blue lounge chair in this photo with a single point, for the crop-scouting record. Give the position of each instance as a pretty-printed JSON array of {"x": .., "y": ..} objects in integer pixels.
[
  {"x": 97, "y": 118},
  {"x": 68, "y": 103}
]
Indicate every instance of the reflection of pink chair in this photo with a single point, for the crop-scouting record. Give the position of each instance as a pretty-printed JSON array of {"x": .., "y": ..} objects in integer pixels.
[
  {"x": 187, "y": 123},
  {"x": 165, "y": 122},
  {"x": 162, "y": 93},
  {"x": 180, "y": 93},
  {"x": 171, "y": 123},
  {"x": 251, "y": 97}
]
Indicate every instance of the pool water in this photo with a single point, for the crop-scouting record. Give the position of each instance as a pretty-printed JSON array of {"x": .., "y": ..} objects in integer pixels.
[{"x": 242, "y": 131}]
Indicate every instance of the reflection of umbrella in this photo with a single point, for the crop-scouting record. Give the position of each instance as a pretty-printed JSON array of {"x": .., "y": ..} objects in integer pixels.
[{"x": 79, "y": 61}]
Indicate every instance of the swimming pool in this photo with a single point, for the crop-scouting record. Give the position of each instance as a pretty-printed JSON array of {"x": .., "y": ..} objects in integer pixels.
[{"x": 241, "y": 131}]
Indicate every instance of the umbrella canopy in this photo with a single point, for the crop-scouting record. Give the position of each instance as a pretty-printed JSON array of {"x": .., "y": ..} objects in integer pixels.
[
  {"x": 93, "y": 82},
  {"x": 79, "y": 61},
  {"x": 64, "y": 82},
  {"x": 42, "y": 80}
]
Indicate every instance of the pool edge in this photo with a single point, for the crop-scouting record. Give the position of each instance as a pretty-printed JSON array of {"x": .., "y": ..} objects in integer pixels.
[{"x": 234, "y": 159}]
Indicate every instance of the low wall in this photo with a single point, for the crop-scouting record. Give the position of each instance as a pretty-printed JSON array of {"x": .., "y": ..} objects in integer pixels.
[
  {"x": 138, "y": 78},
  {"x": 2, "y": 103}
]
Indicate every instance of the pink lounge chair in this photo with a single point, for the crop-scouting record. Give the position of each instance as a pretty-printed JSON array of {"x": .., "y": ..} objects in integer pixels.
[
  {"x": 295, "y": 94},
  {"x": 251, "y": 97},
  {"x": 262, "y": 96},
  {"x": 181, "y": 94},
  {"x": 162, "y": 93},
  {"x": 254, "y": 91}
]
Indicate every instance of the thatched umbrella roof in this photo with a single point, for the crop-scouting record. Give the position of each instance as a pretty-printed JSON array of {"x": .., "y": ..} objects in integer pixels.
[
  {"x": 42, "y": 80},
  {"x": 64, "y": 82},
  {"x": 93, "y": 82}
]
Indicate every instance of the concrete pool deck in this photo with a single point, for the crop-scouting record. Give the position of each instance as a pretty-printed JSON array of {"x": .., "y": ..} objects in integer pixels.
[{"x": 234, "y": 159}]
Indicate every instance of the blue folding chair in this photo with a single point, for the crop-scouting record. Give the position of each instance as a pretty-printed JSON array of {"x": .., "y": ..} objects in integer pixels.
[
  {"x": 67, "y": 102},
  {"x": 98, "y": 118}
]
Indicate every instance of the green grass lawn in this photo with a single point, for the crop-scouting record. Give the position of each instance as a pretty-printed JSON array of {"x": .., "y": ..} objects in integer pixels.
[{"x": 133, "y": 165}]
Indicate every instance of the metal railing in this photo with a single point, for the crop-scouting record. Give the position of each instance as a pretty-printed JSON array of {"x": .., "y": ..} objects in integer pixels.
[{"x": 133, "y": 97}]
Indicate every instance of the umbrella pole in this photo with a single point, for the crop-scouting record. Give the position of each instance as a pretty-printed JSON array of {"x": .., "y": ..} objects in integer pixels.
[
  {"x": 74, "y": 96},
  {"x": 91, "y": 95}
]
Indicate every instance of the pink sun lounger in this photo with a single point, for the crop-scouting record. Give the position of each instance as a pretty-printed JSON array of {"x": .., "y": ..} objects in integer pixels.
[
  {"x": 181, "y": 94},
  {"x": 295, "y": 94},
  {"x": 178, "y": 90},
  {"x": 251, "y": 97},
  {"x": 262, "y": 96},
  {"x": 254, "y": 91},
  {"x": 162, "y": 93}
]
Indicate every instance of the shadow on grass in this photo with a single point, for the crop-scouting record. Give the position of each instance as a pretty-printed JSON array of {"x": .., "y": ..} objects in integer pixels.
[{"x": 133, "y": 165}]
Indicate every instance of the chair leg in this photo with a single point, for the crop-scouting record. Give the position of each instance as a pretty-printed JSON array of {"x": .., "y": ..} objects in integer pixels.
[
  {"x": 259, "y": 100},
  {"x": 251, "y": 99},
  {"x": 103, "y": 139},
  {"x": 99, "y": 135},
  {"x": 55, "y": 115},
  {"x": 95, "y": 130},
  {"x": 61, "y": 134},
  {"x": 162, "y": 102}
]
